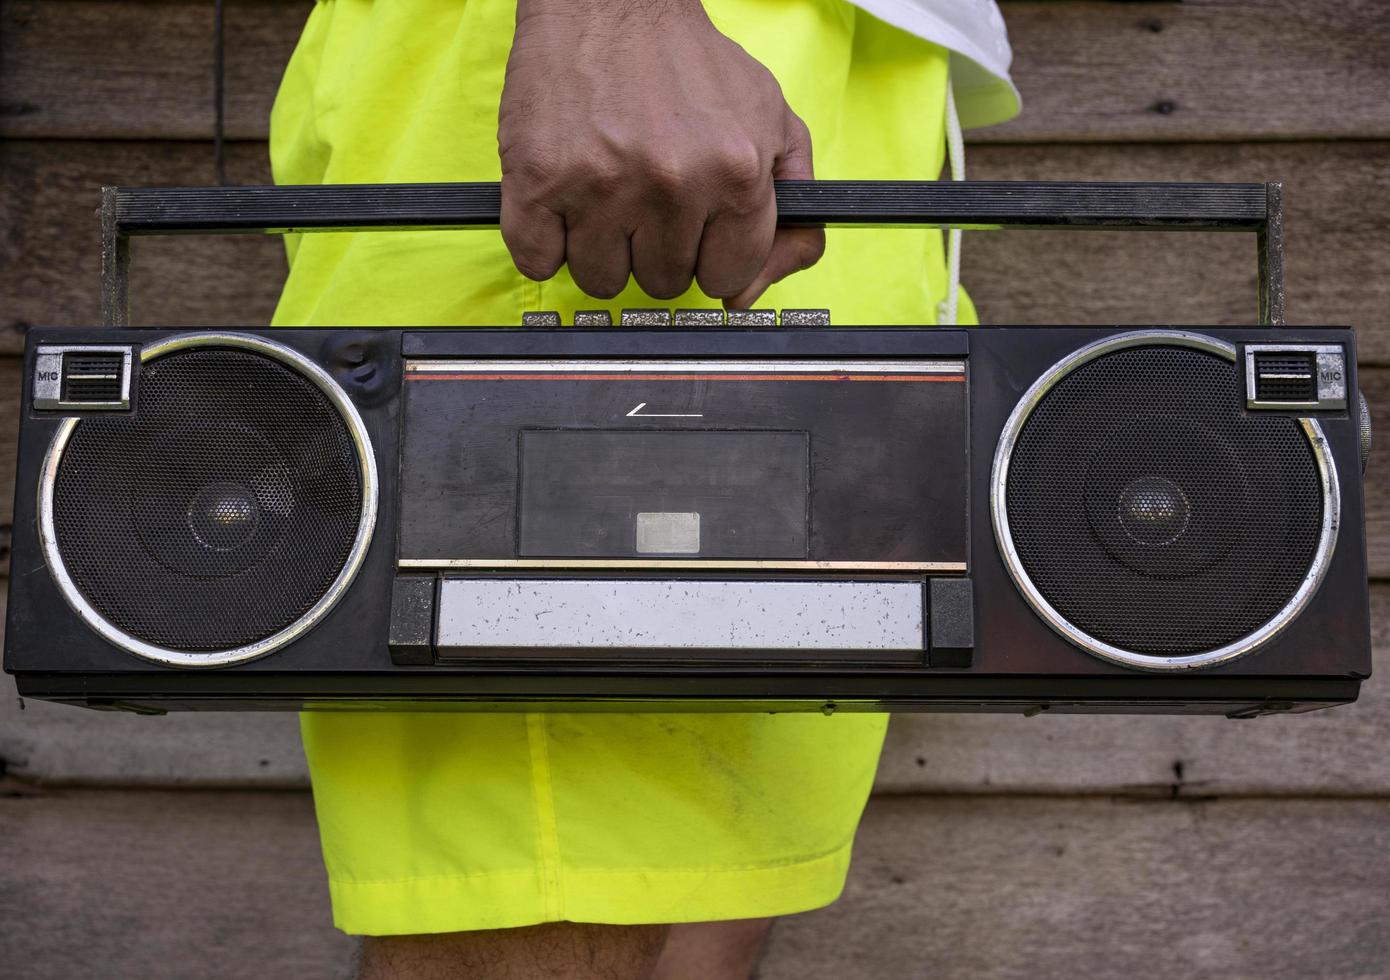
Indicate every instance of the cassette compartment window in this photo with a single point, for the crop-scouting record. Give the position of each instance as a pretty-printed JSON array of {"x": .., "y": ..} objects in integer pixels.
[{"x": 614, "y": 493}]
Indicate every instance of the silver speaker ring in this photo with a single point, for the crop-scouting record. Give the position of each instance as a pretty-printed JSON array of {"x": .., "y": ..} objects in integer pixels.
[
  {"x": 219, "y": 658},
  {"x": 999, "y": 477}
]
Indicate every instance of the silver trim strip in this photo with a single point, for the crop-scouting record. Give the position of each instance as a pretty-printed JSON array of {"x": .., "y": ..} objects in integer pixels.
[
  {"x": 488, "y": 616},
  {"x": 713, "y": 564},
  {"x": 434, "y": 366},
  {"x": 1322, "y": 353},
  {"x": 218, "y": 658},
  {"x": 1331, "y": 512},
  {"x": 50, "y": 402}
]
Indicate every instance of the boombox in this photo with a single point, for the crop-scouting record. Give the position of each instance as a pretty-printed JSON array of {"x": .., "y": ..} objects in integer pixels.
[{"x": 692, "y": 511}]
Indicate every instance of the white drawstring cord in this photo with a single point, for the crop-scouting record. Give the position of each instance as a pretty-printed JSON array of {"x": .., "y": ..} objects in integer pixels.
[{"x": 949, "y": 310}]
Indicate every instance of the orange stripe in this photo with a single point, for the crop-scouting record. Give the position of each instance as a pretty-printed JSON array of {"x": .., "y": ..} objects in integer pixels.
[{"x": 526, "y": 376}]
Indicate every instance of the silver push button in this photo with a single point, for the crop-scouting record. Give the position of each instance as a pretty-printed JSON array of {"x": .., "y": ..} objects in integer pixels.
[
  {"x": 805, "y": 318},
  {"x": 752, "y": 318},
  {"x": 645, "y": 318},
  {"x": 699, "y": 318}
]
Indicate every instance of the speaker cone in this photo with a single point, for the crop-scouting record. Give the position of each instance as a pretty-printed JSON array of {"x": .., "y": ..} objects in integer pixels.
[
  {"x": 1149, "y": 518},
  {"x": 224, "y": 516}
]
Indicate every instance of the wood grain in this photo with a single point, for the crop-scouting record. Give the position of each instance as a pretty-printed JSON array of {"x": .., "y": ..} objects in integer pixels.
[
  {"x": 1338, "y": 255},
  {"x": 1198, "y": 70},
  {"x": 1088, "y": 71},
  {"x": 965, "y": 889},
  {"x": 165, "y": 885},
  {"x": 50, "y": 272},
  {"x": 229, "y": 885},
  {"x": 1338, "y": 752},
  {"x": 1337, "y": 252},
  {"x": 140, "y": 69}
]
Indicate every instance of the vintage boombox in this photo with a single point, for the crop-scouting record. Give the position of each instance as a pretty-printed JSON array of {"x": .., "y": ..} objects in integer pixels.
[{"x": 685, "y": 513}]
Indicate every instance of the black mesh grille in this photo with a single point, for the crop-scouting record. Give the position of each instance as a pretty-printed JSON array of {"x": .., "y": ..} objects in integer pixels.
[
  {"x": 1155, "y": 515},
  {"x": 220, "y": 512}
]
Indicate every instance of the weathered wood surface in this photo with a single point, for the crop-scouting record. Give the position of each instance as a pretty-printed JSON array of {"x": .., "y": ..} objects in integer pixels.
[
  {"x": 1017, "y": 889},
  {"x": 1198, "y": 70},
  {"x": 50, "y": 254},
  {"x": 1337, "y": 253},
  {"x": 1088, "y": 71},
  {"x": 9, "y": 448},
  {"x": 1338, "y": 245},
  {"x": 164, "y": 885},
  {"x": 146, "y": 67},
  {"x": 1338, "y": 752},
  {"x": 123, "y": 885}
]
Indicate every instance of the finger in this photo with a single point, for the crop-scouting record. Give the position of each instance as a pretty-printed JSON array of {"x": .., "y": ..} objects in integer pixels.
[
  {"x": 599, "y": 256},
  {"x": 533, "y": 234},
  {"x": 734, "y": 247},
  {"x": 664, "y": 253},
  {"x": 793, "y": 249}
]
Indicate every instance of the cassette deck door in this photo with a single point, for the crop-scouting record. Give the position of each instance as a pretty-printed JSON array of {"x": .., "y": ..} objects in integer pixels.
[{"x": 811, "y": 464}]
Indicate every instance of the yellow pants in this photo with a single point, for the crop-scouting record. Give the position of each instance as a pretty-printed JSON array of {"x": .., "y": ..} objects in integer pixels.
[{"x": 445, "y": 822}]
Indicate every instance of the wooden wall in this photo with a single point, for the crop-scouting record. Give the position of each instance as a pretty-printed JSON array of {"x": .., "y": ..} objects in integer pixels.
[{"x": 995, "y": 846}]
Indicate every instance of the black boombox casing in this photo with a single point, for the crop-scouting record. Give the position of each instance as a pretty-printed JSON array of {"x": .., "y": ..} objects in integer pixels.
[{"x": 1013, "y": 662}]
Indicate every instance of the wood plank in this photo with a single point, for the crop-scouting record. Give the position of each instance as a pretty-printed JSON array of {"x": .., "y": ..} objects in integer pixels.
[
  {"x": 165, "y": 885},
  {"x": 9, "y": 449},
  {"x": 146, "y": 67},
  {"x": 1338, "y": 752},
  {"x": 1375, "y": 384},
  {"x": 977, "y": 889},
  {"x": 1324, "y": 753},
  {"x": 1338, "y": 248},
  {"x": 50, "y": 271},
  {"x": 1337, "y": 253},
  {"x": 1089, "y": 71},
  {"x": 229, "y": 885},
  {"x": 1198, "y": 70}
]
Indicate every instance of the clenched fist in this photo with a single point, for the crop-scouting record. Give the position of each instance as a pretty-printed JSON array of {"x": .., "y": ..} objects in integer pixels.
[{"x": 636, "y": 139}]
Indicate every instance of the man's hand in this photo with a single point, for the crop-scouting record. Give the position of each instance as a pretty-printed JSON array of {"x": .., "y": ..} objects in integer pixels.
[{"x": 635, "y": 138}]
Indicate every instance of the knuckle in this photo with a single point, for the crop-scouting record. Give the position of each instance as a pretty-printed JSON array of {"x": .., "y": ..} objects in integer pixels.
[
  {"x": 598, "y": 284},
  {"x": 810, "y": 250},
  {"x": 533, "y": 258},
  {"x": 533, "y": 265},
  {"x": 723, "y": 284},
  {"x": 665, "y": 176},
  {"x": 797, "y": 127},
  {"x": 743, "y": 170},
  {"x": 666, "y": 285},
  {"x": 597, "y": 175},
  {"x": 529, "y": 179}
]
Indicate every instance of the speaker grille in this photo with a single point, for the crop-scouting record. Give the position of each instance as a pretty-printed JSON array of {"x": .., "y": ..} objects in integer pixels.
[
  {"x": 1152, "y": 513},
  {"x": 218, "y": 514}
]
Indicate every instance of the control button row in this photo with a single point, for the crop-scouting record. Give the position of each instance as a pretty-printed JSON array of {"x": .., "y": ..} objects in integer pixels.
[{"x": 659, "y": 317}]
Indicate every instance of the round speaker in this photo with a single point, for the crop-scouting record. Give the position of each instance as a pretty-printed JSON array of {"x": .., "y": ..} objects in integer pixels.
[
  {"x": 222, "y": 518},
  {"x": 1148, "y": 517}
]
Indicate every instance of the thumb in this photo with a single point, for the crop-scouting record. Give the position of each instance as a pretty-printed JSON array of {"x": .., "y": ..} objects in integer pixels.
[{"x": 793, "y": 249}]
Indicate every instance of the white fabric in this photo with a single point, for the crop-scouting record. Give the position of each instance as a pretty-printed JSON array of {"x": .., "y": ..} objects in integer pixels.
[
  {"x": 974, "y": 32},
  {"x": 949, "y": 313}
]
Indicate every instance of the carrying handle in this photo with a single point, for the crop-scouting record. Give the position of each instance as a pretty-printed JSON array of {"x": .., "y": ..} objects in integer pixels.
[{"x": 129, "y": 211}]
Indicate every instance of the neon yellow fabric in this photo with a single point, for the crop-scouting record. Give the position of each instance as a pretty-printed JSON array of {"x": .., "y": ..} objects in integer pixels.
[{"x": 444, "y": 822}]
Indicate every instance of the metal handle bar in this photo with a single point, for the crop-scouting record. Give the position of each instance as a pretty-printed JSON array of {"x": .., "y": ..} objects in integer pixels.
[{"x": 129, "y": 211}]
